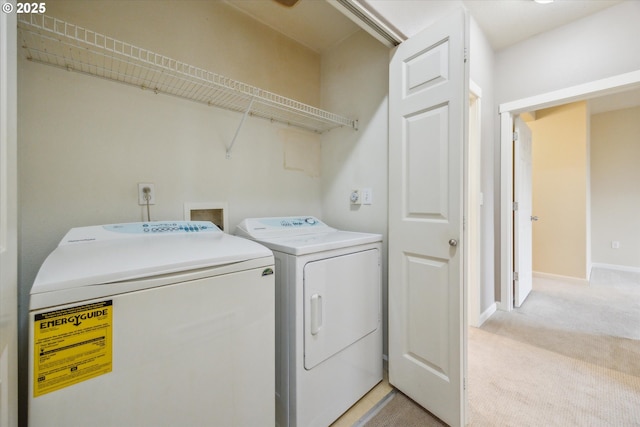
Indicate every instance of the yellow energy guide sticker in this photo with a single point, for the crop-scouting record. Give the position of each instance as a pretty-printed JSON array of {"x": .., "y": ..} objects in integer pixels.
[{"x": 71, "y": 345}]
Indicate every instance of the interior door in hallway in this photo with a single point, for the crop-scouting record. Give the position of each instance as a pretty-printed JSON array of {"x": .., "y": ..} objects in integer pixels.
[
  {"x": 428, "y": 114},
  {"x": 522, "y": 214}
]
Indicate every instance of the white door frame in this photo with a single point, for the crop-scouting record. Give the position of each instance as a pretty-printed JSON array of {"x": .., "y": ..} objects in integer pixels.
[
  {"x": 507, "y": 112},
  {"x": 8, "y": 221},
  {"x": 472, "y": 194}
]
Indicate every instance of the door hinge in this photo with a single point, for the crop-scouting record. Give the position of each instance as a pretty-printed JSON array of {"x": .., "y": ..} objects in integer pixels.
[
  {"x": 465, "y": 54},
  {"x": 464, "y": 383},
  {"x": 516, "y": 276},
  {"x": 515, "y": 136},
  {"x": 515, "y": 206}
]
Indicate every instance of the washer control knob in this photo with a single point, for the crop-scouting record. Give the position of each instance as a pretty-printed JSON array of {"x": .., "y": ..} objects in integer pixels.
[{"x": 310, "y": 221}]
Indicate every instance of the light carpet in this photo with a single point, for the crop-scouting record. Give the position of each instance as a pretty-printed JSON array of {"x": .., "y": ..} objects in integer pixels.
[{"x": 570, "y": 356}]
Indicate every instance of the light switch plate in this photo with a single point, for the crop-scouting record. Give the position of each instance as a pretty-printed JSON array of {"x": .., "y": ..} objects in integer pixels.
[{"x": 367, "y": 196}]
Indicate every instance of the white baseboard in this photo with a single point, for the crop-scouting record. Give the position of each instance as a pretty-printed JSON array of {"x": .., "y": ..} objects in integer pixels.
[
  {"x": 615, "y": 267},
  {"x": 487, "y": 313},
  {"x": 574, "y": 280},
  {"x": 502, "y": 305}
]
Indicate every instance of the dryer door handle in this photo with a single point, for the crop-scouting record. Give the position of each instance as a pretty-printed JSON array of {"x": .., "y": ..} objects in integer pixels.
[{"x": 316, "y": 313}]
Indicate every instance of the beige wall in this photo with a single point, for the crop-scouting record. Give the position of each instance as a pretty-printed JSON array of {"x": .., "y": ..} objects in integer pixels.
[
  {"x": 84, "y": 143},
  {"x": 560, "y": 190},
  {"x": 615, "y": 187},
  {"x": 350, "y": 159}
]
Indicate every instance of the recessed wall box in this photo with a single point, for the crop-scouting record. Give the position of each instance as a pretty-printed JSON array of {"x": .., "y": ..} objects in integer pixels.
[{"x": 214, "y": 212}]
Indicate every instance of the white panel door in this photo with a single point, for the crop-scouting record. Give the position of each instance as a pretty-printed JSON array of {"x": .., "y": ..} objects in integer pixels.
[
  {"x": 522, "y": 236},
  {"x": 428, "y": 114}
]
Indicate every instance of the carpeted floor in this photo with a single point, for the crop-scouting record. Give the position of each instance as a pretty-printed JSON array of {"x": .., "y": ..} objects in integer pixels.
[
  {"x": 398, "y": 410},
  {"x": 570, "y": 356}
]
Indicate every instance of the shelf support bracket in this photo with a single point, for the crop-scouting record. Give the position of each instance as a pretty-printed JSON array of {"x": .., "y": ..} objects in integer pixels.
[{"x": 244, "y": 117}]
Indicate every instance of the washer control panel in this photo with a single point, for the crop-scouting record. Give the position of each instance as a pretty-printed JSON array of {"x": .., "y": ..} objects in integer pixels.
[
  {"x": 137, "y": 229},
  {"x": 162, "y": 227}
]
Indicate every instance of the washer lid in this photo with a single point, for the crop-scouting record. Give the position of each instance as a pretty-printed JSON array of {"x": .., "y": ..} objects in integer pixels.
[
  {"x": 97, "y": 255},
  {"x": 301, "y": 235}
]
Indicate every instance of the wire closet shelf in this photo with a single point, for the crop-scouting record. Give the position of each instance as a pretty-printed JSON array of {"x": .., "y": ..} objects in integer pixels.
[{"x": 54, "y": 42}]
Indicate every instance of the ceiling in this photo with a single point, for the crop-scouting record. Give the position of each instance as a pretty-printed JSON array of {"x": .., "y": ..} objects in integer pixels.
[
  {"x": 507, "y": 22},
  {"x": 616, "y": 101},
  {"x": 313, "y": 23},
  {"x": 319, "y": 26}
]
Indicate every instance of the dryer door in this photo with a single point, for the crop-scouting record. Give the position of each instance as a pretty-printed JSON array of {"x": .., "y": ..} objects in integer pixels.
[{"x": 341, "y": 303}]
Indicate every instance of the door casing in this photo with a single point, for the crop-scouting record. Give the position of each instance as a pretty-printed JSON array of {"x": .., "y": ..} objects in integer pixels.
[
  {"x": 507, "y": 112},
  {"x": 473, "y": 196}
]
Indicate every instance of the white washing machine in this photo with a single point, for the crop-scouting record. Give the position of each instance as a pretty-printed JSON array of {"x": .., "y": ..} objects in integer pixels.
[
  {"x": 153, "y": 324},
  {"x": 328, "y": 316}
]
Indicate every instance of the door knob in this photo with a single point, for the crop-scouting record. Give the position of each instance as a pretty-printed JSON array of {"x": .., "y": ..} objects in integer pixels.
[
  {"x": 534, "y": 218},
  {"x": 453, "y": 242}
]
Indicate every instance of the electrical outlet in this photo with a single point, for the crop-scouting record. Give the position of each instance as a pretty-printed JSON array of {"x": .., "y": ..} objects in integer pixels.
[
  {"x": 146, "y": 189},
  {"x": 615, "y": 244},
  {"x": 355, "y": 197}
]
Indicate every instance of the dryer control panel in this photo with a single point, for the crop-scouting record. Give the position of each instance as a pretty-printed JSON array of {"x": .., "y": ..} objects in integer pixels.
[{"x": 257, "y": 228}]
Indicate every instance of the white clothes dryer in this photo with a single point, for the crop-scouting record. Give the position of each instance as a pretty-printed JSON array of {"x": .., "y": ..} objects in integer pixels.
[
  {"x": 328, "y": 316},
  {"x": 153, "y": 324}
]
